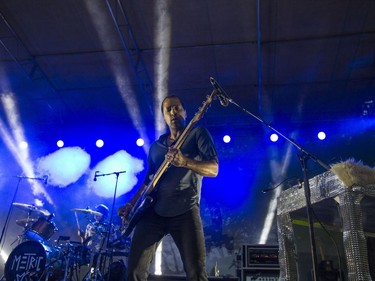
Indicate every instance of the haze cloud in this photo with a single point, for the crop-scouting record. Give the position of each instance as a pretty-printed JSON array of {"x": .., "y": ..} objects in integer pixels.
[{"x": 64, "y": 166}]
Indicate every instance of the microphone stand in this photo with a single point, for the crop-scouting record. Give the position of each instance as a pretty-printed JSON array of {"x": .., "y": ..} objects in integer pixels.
[
  {"x": 117, "y": 174},
  {"x": 303, "y": 157}
]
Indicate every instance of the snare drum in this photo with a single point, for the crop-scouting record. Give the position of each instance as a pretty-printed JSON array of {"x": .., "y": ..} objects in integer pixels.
[
  {"x": 41, "y": 230},
  {"x": 32, "y": 260}
]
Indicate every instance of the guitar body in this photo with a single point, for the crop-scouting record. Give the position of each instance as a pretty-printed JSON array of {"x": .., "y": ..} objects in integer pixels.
[{"x": 136, "y": 215}]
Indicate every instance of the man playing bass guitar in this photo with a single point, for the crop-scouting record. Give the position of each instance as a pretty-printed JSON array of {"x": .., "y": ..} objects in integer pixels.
[{"x": 175, "y": 206}]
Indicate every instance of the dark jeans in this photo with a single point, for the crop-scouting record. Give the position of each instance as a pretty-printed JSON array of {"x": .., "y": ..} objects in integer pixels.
[{"x": 186, "y": 231}]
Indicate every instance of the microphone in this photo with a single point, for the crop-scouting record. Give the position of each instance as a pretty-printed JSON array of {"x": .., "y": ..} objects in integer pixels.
[
  {"x": 222, "y": 95},
  {"x": 223, "y": 101},
  {"x": 96, "y": 172},
  {"x": 44, "y": 178},
  {"x": 299, "y": 182}
]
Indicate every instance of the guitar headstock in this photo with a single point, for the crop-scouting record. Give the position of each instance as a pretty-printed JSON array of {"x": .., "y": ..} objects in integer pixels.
[{"x": 205, "y": 105}]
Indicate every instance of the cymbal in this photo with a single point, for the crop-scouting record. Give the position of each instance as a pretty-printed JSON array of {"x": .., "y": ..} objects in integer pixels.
[
  {"x": 32, "y": 208},
  {"x": 24, "y": 222},
  {"x": 87, "y": 211}
]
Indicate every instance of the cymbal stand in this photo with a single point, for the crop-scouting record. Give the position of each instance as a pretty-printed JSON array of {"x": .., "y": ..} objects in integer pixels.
[
  {"x": 8, "y": 215},
  {"x": 27, "y": 227},
  {"x": 10, "y": 208},
  {"x": 305, "y": 155},
  {"x": 21, "y": 237}
]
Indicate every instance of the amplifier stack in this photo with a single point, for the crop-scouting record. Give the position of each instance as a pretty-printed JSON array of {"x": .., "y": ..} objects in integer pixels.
[{"x": 259, "y": 262}]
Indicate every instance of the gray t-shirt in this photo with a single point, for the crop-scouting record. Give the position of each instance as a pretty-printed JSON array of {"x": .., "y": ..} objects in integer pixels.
[{"x": 179, "y": 189}]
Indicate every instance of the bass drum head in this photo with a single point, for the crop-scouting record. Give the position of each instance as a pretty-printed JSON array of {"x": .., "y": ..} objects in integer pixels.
[{"x": 26, "y": 262}]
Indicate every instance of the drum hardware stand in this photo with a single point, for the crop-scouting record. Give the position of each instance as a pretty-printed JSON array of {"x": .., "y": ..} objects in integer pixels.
[
  {"x": 96, "y": 264},
  {"x": 94, "y": 273},
  {"x": 68, "y": 267},
  {"x": 305, "y": 155},
  {"x": 49, "y": 270},
  {"x": 71, "y": 265}
]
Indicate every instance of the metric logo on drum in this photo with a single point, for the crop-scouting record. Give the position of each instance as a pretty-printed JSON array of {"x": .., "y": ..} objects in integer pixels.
[
  {"x": 20, "y": 277},
  {"x": 26, "y": 262}
]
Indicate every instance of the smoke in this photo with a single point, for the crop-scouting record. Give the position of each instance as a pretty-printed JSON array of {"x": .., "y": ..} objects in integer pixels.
[
  {"x": 64, "y": 166},
  {"x": 104, "y": 186}
]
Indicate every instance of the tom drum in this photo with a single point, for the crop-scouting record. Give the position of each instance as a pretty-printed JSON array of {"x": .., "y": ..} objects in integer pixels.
[{"x": 41, "y": 230}]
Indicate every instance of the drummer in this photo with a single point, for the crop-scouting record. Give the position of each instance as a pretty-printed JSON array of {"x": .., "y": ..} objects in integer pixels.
[{"x": 96, "y": 231}]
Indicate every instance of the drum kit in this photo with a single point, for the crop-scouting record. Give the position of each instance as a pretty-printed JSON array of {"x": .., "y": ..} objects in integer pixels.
[{"x": 37, "y": 258}]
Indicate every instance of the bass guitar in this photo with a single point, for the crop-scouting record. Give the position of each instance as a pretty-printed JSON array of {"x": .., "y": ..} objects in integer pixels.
[{"x": 145, "y": 199}]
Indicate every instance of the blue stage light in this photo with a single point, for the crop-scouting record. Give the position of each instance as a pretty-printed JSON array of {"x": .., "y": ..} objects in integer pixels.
[
  {"x": 274, "y": 137},
  {"x": 226, "y": 139},
  {"x": 99, "y": 143},
  {"x": 321, "y": 135},
  {"x": 140, "y": 142},
  {"x": 23, "y": 145},
  {"x": 60, "y": 143}
]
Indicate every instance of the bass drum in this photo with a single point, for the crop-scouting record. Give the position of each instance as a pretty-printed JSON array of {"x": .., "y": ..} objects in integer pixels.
[{"x": 32, "y": 260}]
